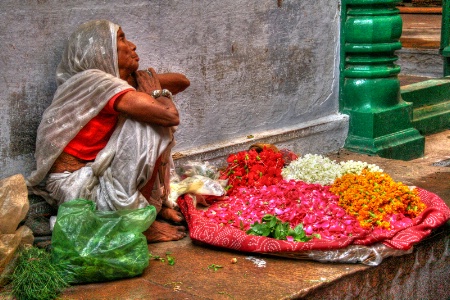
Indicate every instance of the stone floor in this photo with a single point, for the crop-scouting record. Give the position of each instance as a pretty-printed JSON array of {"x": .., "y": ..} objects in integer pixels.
[
  {"x": 421, "y": 36},
  {"x": 423, "y": 274}
]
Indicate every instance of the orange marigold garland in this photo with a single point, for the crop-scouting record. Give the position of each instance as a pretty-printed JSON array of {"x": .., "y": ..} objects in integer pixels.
[{"x": 375, "y": 199}]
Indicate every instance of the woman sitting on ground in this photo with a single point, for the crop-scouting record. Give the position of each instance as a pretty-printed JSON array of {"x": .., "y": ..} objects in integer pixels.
[{"x": 108, "y": 132}]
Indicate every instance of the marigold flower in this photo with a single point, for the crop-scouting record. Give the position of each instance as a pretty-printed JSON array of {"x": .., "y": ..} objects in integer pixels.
[{"x": 375, "y": 199}]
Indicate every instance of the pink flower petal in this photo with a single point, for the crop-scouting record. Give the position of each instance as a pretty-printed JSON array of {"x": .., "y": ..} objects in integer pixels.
[{"x": 309, "y": 230}]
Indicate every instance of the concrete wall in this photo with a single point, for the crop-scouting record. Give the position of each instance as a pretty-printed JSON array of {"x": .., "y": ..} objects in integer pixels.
[
  {"x": 420, "y": 62},
  {"x": 261, "y": 68}
]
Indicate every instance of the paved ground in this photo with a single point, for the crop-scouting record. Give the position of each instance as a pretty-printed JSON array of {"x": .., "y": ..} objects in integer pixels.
[{"x": 281, "y": 278}]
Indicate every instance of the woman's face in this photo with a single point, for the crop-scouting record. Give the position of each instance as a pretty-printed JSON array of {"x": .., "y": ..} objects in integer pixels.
[{"x": 127, "y": 57}]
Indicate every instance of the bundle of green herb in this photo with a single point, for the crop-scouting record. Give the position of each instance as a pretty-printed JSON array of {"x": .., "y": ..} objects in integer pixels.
[
  {"x": 273, "y": 227},
  {"x": 35, "y": 277}
]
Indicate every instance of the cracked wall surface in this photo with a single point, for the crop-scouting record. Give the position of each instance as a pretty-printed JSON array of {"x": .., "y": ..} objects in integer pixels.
[{"x": 255, "y": 66}]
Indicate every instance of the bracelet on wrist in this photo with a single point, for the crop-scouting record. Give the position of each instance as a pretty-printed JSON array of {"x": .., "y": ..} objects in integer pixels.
[{"x": 164, "y": 93}]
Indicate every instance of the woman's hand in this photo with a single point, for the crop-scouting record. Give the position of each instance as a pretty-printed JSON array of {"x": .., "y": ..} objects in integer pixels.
[
  {"x": 141, "y": 106},
  {"x": 147, "y": 81},
  {"x": 144, "y": 108}
]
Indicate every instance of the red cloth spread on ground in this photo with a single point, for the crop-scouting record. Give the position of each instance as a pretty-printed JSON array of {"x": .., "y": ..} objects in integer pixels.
[
  {"x": 201, "y": 229},
  {"x": 94, "y": 136}
]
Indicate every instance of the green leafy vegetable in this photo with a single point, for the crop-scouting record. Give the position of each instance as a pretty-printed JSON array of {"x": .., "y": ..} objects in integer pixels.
[
  {"x": 273, "y": 227},
  {"x": 169, "y": 257}
]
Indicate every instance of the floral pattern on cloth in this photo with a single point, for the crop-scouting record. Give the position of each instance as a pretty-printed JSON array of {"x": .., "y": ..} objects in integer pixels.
[{"x": 202, "y": 229}]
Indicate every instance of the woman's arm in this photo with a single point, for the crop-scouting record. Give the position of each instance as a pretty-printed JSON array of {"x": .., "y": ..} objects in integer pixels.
[
  {"x": 174, "y": 82},
  {"x": 144, "y": 108}
]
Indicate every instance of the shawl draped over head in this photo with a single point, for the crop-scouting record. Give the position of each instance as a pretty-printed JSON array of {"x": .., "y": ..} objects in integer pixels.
[{"x": 87, "y": 77}]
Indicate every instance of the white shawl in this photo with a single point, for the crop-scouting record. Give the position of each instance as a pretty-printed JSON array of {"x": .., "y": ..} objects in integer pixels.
[{"x": 87, "y": 78}]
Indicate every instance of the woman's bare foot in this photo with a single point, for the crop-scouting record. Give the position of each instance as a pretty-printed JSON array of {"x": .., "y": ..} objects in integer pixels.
[
  {"x": 164, "y": 232},
  {"x": 171, "y": 215}
]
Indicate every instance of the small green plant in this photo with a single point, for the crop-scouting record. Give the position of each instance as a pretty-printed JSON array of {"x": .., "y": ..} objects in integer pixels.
[
  {"x": 214, "y": 267},
  {"x": 170, "y": 259},
  {"x": 35, "y": 277}
]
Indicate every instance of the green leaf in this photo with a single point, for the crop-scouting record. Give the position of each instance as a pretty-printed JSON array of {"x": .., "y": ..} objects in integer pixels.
[
  {"x": 266, "y": 231},
  {"x": 214, "y": 267},
  {"x": 268, "y": 218},
  {"x": 273, "y": 227},
  {"x": 281, "y": 230},
  {"x": 170, "y": 260},
  {"x": 273, "y": 222}
]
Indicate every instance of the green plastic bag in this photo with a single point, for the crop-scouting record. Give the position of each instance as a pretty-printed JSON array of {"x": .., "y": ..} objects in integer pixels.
[{"x": 93, "y": 246}]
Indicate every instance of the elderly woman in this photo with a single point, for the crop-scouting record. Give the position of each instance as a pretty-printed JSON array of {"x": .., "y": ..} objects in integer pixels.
[{"x": 108, "y": 132}]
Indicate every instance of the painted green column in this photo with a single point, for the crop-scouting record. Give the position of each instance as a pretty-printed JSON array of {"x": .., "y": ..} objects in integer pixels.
[
  {"x": 445, "y": 36},
  {"x": 380, "y": 121}
]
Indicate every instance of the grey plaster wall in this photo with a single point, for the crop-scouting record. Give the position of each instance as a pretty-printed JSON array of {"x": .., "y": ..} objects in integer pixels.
[
  {"x": 420, "y": 62},
  {"x": 261, "y": 68}
]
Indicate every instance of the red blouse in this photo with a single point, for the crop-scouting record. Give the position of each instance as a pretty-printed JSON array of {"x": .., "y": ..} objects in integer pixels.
[{"x": 94, "y": 136}]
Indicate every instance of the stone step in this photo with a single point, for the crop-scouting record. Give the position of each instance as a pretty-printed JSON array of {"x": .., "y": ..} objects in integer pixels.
[
  {"x": 421, "y": 27},
  {"x": 431, "y": 104}
]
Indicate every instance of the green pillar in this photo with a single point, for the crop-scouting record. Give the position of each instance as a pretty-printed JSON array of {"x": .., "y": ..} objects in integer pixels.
[
  {"x": 380, "y": 121},
  {"x": 445, "y": 36}
]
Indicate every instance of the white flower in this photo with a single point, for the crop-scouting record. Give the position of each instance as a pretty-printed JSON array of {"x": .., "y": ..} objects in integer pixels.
[
  {"x": 356, "y": 167},
  {"x": 313, "y": 168}
]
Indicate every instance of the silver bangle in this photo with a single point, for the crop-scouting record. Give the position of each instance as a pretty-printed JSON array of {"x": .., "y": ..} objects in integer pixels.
[
  {"x": 164, "y": 93},
  {"x": 156, "y": 93},
  {"x": 167, "y": 93}
]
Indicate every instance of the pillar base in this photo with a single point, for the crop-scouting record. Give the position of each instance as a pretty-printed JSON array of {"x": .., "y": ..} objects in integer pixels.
[
  {"x": 403, "y": 145},
  {"x": 387, "y": 133}
]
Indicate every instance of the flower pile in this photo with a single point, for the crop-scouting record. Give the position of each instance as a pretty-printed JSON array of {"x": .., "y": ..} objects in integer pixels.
[
  {"x": 250, "y": 168},
  {"x": 356, "y": 167},
  {"x": 376, "y": 200},
  {"x": 312, "y": 197}
]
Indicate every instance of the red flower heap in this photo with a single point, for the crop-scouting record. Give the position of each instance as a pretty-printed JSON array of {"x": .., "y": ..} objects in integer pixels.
[
  {"x": 256, "y": 188},
  {"x": 253, "y": 168}
]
